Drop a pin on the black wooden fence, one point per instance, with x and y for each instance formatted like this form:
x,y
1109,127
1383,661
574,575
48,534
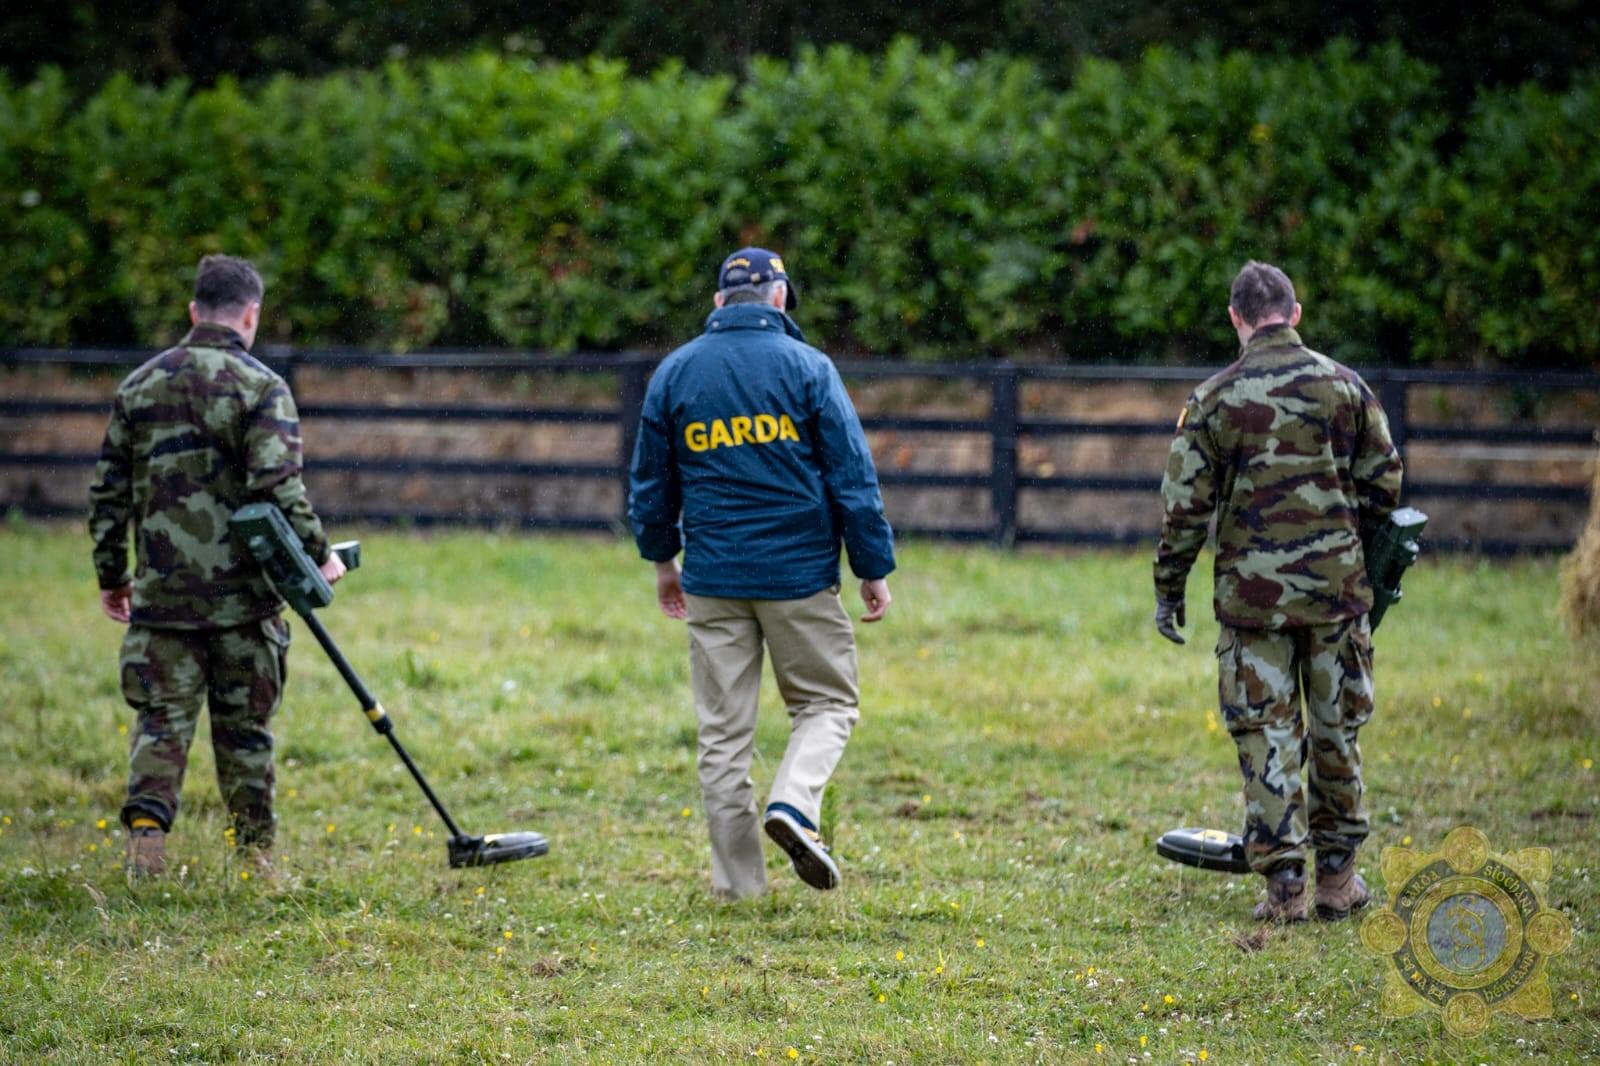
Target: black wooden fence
x,y
1005,426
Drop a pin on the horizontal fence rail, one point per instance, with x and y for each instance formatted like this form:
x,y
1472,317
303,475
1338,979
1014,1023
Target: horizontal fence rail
x,y
1005,428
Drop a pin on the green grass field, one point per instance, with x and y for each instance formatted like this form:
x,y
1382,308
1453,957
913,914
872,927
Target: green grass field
x,y
1024,738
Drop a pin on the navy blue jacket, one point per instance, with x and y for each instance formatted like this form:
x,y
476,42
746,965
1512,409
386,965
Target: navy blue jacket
x,y
749,436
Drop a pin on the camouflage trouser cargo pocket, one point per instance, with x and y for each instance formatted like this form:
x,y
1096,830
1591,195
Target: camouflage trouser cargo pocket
x,y
1262,676
166,674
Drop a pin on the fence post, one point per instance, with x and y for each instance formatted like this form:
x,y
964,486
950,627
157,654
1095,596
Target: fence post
x,y
1003,454
632,376
1396,392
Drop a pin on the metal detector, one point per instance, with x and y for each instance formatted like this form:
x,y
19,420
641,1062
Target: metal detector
x,y
266,535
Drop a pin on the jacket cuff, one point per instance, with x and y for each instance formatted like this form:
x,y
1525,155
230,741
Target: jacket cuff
x,y
1170,591
114,581
872,568
659,543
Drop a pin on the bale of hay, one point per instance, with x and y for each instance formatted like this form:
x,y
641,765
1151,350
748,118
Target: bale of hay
x,y
1580,575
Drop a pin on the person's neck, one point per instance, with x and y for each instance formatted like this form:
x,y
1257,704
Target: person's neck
x,y
1247,333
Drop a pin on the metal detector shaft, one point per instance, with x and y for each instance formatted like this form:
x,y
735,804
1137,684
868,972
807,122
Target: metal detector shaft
x,y
375,714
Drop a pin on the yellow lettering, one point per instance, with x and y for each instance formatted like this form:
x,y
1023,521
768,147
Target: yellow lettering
x,y
766,429
719,435
741,430
694,435
786,430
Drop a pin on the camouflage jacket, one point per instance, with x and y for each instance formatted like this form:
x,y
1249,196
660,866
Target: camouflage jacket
x,y
1291,452
195,433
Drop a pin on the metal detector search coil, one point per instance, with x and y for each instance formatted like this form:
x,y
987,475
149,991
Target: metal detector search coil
x,y
1208,849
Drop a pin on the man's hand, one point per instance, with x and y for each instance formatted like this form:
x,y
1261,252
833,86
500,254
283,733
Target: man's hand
x,y
875,594
117,603
669,590
334,568
1169,616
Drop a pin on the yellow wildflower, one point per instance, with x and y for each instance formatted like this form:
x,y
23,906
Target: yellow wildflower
x,y
101,824
1168,1000
793,1053
899,956
1143,1040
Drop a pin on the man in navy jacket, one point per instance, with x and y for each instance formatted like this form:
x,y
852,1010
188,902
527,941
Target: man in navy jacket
x,y
751,460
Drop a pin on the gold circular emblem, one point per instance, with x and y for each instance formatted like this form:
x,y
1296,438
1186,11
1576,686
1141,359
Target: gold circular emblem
x,y
1466,932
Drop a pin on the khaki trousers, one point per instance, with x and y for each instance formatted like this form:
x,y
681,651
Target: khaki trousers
x,y
814,662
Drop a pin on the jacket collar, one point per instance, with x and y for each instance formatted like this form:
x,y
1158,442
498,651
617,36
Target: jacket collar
x,y
212,335
1277,335
752,316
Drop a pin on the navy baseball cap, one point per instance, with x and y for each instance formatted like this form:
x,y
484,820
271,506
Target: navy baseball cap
x,y
756,266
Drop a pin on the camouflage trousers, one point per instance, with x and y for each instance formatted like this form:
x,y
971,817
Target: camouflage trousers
x,y
1302,773
167,674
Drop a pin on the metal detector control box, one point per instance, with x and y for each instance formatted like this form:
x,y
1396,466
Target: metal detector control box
x,y
1390,550
261,530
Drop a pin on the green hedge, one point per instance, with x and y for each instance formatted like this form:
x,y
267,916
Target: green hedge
x,y
928,206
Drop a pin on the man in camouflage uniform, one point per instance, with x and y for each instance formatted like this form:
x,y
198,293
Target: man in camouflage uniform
x,y
1291,453
195,433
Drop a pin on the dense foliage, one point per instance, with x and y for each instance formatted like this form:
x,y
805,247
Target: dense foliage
x,y
153,40
928,205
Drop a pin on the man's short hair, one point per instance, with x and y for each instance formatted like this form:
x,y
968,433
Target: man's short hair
x,y
226,283
750,294
1260,291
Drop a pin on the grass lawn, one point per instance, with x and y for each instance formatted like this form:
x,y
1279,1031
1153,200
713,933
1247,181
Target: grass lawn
x,y
1024,738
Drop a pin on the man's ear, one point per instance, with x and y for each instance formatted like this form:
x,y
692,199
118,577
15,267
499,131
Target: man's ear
x,y
1236,318
780,296
194,313
716,298
1294,319
252,315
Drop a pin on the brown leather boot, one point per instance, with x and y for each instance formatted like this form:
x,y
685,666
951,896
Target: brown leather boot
x,y
1286,898
147,851
1341,892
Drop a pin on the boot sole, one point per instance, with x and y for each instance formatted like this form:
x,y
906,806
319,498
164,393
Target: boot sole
x,y
811,865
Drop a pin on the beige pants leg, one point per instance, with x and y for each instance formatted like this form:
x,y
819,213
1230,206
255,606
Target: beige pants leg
x,y
814,660
725,675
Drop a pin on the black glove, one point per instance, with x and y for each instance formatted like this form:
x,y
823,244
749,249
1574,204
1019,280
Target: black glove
x,y
1169,616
